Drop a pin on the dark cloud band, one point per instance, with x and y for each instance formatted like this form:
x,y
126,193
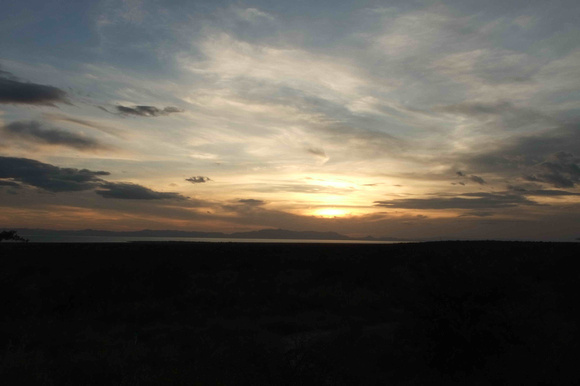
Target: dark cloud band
x,y
472,177
252,202
198,179
34,132
464,201
147,111
13,91
11,184
128,191
55,179
49,177
561,170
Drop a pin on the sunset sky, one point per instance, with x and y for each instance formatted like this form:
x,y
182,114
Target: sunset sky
x,y
450,119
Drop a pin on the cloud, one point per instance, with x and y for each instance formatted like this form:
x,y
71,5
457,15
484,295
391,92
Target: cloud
x,y
234,62
361,141
472,177
549,193
544,157
33,132
477,213
10,184
128,191
488,66
49,177
82,122
301,188
55,179
147,111
252,202
13,91
477,179
198,179
252,15
561,170
464,201
477,109
283,90
481,110
496,115
317,152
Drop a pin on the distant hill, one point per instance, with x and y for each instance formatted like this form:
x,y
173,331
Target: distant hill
x,y
103,233
259,234
285,234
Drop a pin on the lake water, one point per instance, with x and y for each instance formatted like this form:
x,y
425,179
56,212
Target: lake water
x,y
105,239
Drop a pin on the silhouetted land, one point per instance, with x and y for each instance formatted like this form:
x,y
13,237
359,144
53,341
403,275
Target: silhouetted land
x,y
443,313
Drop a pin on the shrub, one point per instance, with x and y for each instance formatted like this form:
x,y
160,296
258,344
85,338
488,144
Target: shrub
x,y
11,236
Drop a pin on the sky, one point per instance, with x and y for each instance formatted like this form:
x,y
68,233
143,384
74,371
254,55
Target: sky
x,y
411,119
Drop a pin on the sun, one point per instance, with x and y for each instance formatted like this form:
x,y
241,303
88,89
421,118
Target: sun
x,y
330,212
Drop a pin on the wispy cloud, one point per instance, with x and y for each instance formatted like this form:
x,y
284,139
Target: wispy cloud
x,y
86,123
252,15
233,61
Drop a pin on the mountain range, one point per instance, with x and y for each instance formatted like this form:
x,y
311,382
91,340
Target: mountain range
x,y
259,234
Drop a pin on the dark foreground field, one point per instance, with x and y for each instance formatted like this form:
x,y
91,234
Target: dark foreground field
x,y
447,313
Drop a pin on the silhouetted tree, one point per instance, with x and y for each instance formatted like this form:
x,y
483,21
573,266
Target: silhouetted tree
x,y
11,236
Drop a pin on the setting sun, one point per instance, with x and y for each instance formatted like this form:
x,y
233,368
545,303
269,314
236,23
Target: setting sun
x,y
330,212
